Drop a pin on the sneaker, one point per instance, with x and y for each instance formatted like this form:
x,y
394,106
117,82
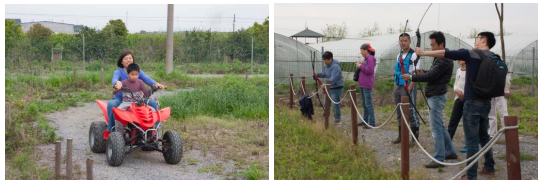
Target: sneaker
x,y
336,121
367,127
485,172
464,150
106,134
361,124
433,164
452,156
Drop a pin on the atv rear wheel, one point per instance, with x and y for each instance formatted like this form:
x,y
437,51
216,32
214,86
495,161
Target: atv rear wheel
x,y
95,136
115,149
172,147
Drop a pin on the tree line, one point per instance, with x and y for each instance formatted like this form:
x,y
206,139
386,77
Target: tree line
x,y
194,46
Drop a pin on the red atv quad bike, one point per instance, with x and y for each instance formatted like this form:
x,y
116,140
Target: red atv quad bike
x,y
134,130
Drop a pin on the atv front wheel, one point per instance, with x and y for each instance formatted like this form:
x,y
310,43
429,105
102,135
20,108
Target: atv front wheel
x,y
115,149
95,136
172,147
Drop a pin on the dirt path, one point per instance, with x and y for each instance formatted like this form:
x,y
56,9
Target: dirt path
x,y
74,123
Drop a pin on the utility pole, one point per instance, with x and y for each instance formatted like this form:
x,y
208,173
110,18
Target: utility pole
x,y
169,40
233,22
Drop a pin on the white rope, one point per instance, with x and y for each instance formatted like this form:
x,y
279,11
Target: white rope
x,y
375,127
334,102
302,86
281,83
478,154
291,86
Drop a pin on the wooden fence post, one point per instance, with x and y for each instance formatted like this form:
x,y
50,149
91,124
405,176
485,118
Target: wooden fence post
x,y
512,149
354,128
327,103
404,144
291,91
89,175
69,160
58,159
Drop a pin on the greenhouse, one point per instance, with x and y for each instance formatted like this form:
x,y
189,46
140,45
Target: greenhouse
x,y
520,51
293,57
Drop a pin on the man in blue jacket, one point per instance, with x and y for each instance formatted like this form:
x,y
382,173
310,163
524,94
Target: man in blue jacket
x,y
476,108
333,72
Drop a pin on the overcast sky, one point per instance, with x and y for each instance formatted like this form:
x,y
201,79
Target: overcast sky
x,y
145,17
456,19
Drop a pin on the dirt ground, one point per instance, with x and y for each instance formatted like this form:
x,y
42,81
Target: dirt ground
x,y
198,162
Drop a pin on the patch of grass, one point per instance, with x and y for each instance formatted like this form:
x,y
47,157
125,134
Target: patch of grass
x,y
523,157
193,160
215,169
522,81
307,151
253,172
233,98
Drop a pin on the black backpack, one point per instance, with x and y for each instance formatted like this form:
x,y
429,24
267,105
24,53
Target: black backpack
x,y
490,80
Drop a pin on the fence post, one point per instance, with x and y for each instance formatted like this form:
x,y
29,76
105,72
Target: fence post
x,y
291,91
327,103
102,83
74,76
404,137
69,160
303,81
354,128
89,175
58,159
512,149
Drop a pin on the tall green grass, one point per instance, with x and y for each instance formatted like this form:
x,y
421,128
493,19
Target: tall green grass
x,y
307,151
233,97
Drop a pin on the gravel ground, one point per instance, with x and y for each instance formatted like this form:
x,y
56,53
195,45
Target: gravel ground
x,y
388,154
75,122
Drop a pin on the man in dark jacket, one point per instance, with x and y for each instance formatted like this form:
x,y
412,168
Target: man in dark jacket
x,y
437,77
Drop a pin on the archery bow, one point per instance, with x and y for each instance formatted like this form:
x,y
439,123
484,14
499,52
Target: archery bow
x,y
406,83
316,79
418,35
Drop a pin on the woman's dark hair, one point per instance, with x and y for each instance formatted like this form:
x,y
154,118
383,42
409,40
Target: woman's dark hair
x,y
366,47
133,67
327,55
119,62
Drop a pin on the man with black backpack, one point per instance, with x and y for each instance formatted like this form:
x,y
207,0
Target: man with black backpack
x,y
481,63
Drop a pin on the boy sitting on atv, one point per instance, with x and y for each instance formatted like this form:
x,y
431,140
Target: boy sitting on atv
x,y
138,90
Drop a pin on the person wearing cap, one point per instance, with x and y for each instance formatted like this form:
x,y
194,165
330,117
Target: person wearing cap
x,y
437,78
366,83
405,64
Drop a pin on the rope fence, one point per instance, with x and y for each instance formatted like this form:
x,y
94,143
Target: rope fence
x,y
510,126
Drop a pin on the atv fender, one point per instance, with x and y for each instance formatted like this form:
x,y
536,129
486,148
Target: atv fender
x,y
103,107
164,114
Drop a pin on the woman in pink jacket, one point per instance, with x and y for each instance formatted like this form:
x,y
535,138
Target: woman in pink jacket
x,y
366,82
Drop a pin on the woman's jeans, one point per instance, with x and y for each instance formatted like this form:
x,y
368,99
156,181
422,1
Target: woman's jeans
x,y
116,103
366,99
